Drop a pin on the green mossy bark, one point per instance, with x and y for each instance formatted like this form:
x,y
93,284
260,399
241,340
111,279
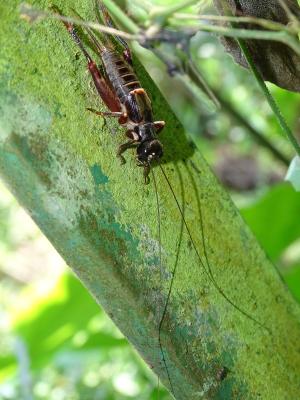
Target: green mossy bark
x,y
60,163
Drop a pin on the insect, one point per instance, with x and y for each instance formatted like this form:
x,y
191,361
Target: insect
x,y
122,93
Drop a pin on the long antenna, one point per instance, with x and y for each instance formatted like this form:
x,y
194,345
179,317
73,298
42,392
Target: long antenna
x,y
207,269
169,293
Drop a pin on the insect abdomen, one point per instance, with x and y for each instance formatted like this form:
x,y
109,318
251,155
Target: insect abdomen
x,y
120,74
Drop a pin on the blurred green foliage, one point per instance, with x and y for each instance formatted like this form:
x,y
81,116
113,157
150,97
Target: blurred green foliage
x,y
272,219
74,349
59,344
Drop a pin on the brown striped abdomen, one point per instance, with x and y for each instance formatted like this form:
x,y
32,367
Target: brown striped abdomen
x,y
120,74
127,87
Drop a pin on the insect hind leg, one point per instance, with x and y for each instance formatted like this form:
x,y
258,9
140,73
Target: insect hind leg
x,y
103,16
102,86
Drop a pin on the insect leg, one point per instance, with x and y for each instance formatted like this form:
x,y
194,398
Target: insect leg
x,y
122,116
123,147
146,173
117,114
159,125
108,97
103,14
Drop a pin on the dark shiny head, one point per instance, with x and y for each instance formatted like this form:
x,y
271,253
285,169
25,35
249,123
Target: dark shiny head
x,y
149,151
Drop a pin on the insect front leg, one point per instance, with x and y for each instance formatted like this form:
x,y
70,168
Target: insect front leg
x,y
125,146
146,173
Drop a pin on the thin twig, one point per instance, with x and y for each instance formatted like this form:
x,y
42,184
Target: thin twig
x,y
29,13
280,119
265,23
288,12
282,37
257,136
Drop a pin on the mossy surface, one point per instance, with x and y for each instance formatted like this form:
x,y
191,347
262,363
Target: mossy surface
x,y
60,163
